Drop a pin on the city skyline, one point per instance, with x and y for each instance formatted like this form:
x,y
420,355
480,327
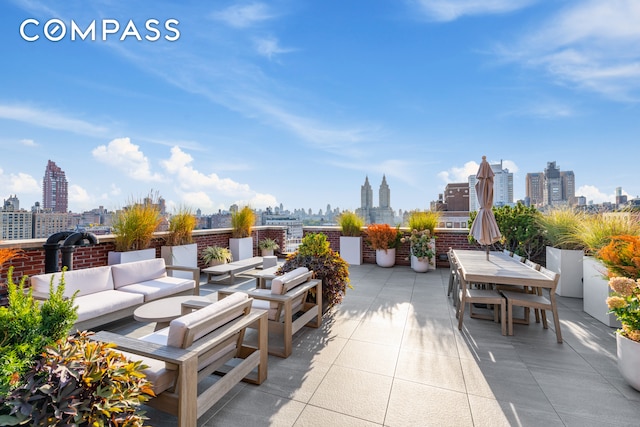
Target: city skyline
x,y
269,103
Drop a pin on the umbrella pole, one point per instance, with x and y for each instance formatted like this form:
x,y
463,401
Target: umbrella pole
x,y
487,246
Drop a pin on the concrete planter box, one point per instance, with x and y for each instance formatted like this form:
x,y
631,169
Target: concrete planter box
x,y
130,256
241,248
182,255
568,263
351,249
596,292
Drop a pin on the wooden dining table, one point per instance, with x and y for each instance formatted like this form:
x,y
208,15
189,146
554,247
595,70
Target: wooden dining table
x,y
500,269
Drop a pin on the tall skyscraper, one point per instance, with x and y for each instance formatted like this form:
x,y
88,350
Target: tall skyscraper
x,y
552,187
54,189
384,193
366,195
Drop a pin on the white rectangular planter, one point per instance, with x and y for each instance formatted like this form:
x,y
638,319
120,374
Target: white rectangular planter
x,y
130,256
568,263
241,248
351,249
182,255
596,292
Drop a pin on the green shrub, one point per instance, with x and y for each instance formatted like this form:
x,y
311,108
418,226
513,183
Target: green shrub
x,y
268,244
424,220
134,226
315,254
560,226
78,381
242,222
181,226
351,224
596,231
216,253
27,327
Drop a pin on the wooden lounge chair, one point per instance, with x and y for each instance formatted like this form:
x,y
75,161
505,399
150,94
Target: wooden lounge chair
x,y
480,296
536,301
288,308
196,345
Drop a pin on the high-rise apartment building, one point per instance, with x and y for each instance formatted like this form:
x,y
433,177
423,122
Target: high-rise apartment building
x,y
54,189
534,185
552,187
502,188
383,214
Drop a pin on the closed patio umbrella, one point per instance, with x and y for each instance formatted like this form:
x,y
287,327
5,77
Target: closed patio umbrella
x,y
485,228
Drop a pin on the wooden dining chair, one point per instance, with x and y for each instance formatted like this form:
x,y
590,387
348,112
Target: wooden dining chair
x,y
453,277
536,301
507,252
472,296
519,257
532,264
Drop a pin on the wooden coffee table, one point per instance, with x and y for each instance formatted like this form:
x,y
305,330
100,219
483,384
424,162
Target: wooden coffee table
x,y
163,311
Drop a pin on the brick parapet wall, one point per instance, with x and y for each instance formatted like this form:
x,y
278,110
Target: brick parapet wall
x,y
33,262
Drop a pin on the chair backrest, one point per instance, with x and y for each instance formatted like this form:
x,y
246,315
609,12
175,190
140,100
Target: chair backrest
x,y
186,329
532,264
518,257
507,251
551,275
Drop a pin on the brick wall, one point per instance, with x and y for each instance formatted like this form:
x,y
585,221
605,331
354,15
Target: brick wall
x,y
93,256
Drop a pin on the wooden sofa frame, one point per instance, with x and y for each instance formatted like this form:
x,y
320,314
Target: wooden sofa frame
x,y
183,400
287,322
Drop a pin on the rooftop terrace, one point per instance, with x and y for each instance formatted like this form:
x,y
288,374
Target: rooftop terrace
x,y
391,355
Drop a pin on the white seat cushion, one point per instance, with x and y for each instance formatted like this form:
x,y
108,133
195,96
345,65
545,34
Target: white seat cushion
x,y
162,375
178,327
95,305
87,281
136,272
278,282
159,288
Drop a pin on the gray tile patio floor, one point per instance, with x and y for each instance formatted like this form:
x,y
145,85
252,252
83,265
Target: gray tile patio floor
x,y
391,355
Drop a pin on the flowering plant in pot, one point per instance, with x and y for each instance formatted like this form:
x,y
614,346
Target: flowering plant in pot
x,y
384,240
422,248
622,258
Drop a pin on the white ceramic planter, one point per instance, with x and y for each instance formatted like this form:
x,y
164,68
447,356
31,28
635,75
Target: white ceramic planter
x,y
596,292
130,256
351,249
241,248
568,263
629,360
182,255
386,258
419,266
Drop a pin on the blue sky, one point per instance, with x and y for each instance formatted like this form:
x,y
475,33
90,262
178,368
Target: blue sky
x,y
293,102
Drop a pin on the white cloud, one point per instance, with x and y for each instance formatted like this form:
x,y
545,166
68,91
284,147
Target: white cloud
x,y
242,16
592,193
270,46
460,174
20,183
49,120
450,10
80,198
592,45
197,188
121,154
28,142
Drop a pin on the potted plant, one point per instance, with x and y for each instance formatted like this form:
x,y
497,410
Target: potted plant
x,y
351,237
133,228
241,242
216,255
316,254
595,233
180,249
425,221
622,259
268,246
384,240
564,252
422,249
